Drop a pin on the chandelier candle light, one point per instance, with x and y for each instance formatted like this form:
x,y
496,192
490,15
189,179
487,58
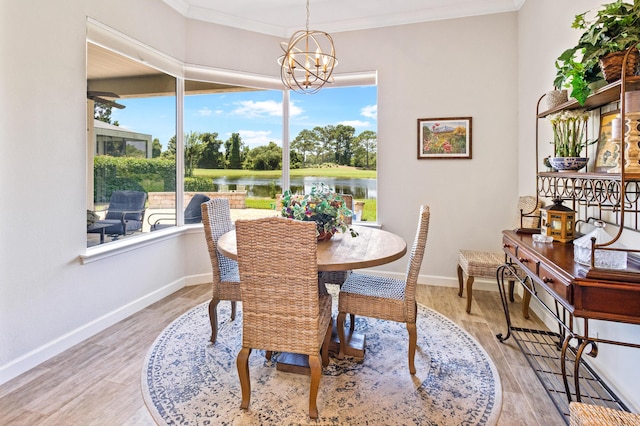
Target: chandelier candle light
x,y
308,60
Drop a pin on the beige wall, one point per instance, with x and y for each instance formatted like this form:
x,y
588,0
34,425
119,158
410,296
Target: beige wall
x,y
474,67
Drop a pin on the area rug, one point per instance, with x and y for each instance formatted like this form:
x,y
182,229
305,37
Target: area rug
x,y
186,380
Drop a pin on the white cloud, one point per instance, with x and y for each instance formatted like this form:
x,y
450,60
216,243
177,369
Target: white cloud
x,y
355,123
370,111
204,112
256,109
254,138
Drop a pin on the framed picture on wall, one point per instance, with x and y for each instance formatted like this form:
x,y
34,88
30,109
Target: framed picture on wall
x,y
608,150
444,138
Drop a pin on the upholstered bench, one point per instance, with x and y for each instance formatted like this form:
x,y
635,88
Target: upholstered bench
x,y
482,264
581,414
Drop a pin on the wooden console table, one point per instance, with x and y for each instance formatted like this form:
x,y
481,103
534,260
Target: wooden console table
x,y
578,294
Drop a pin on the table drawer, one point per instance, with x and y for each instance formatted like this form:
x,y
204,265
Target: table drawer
x,y
613,301
536,268
555,283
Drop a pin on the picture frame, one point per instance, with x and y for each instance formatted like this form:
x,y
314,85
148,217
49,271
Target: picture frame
x,y
608,150
444,138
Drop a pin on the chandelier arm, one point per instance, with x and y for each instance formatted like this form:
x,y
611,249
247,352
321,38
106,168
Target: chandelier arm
x,y
303,70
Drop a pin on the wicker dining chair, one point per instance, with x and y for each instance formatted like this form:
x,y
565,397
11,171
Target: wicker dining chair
x,y
283,310
216,218
387,298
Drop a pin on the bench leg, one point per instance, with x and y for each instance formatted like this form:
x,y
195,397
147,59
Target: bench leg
x,y
460,281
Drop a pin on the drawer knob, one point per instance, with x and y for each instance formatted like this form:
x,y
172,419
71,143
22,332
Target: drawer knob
x,y
547,280
523,259
505,245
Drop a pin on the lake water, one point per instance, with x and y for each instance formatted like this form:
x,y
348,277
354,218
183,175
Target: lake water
x,y
262,187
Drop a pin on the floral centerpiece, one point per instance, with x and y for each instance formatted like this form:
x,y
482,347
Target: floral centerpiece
x,y
323,206
569,139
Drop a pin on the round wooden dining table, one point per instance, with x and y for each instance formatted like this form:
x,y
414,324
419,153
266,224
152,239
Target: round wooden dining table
x,y
372,247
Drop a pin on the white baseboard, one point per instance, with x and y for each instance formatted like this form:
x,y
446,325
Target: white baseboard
x,y
37,356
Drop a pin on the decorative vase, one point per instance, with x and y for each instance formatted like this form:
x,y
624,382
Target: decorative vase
x,y
568,164
555,98
324,236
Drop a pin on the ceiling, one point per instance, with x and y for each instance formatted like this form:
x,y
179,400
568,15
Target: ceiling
x,y
111,72
283,17
108,71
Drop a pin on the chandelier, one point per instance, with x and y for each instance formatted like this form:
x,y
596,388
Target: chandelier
x,y
308,60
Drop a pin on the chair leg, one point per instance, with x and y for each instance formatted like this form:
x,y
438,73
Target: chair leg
x,y
511,287
413,342
352,322
213,318
316,374
326,343
233,310
469,292
460,280
243,373
340,327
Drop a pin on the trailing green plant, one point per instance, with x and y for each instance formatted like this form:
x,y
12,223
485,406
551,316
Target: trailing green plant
x,y
614,27
321,205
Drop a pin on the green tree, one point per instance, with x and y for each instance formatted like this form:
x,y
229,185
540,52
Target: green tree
x,y
235,146
267,157
305,143
211,157
326,146
170,153
365,153
156,148
193,147
343,137
102,112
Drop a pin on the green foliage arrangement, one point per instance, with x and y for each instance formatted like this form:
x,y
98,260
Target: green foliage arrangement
x,y
614,28
321,205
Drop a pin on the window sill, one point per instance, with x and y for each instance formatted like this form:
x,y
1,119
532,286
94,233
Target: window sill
x,y
104,251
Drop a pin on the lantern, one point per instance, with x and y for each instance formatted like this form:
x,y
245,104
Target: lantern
x,y
558,221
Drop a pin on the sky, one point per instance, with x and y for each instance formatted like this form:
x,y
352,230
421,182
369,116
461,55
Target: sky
x,y
256,115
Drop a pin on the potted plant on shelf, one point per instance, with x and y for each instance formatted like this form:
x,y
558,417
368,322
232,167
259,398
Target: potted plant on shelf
x,y
606,37
321,205
569,139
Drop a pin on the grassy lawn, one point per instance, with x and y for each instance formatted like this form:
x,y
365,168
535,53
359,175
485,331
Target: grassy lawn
x,y
337,171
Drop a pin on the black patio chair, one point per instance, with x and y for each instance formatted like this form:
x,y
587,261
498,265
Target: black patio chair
x,y
124,214
192,214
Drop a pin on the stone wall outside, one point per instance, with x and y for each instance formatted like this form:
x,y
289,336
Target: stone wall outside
x,y
166,200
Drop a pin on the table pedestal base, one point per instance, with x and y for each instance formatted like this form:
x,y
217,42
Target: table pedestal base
x,y
299,364
355,344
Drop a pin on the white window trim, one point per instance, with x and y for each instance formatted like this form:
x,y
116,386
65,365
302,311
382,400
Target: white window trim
x,y
111,39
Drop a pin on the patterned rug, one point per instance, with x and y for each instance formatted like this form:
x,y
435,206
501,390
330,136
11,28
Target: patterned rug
x,y
188,381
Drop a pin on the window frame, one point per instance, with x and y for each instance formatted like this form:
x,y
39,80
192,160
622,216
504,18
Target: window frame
x,y
108,38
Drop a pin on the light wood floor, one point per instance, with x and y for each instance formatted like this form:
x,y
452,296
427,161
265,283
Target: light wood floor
x,y
98,381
